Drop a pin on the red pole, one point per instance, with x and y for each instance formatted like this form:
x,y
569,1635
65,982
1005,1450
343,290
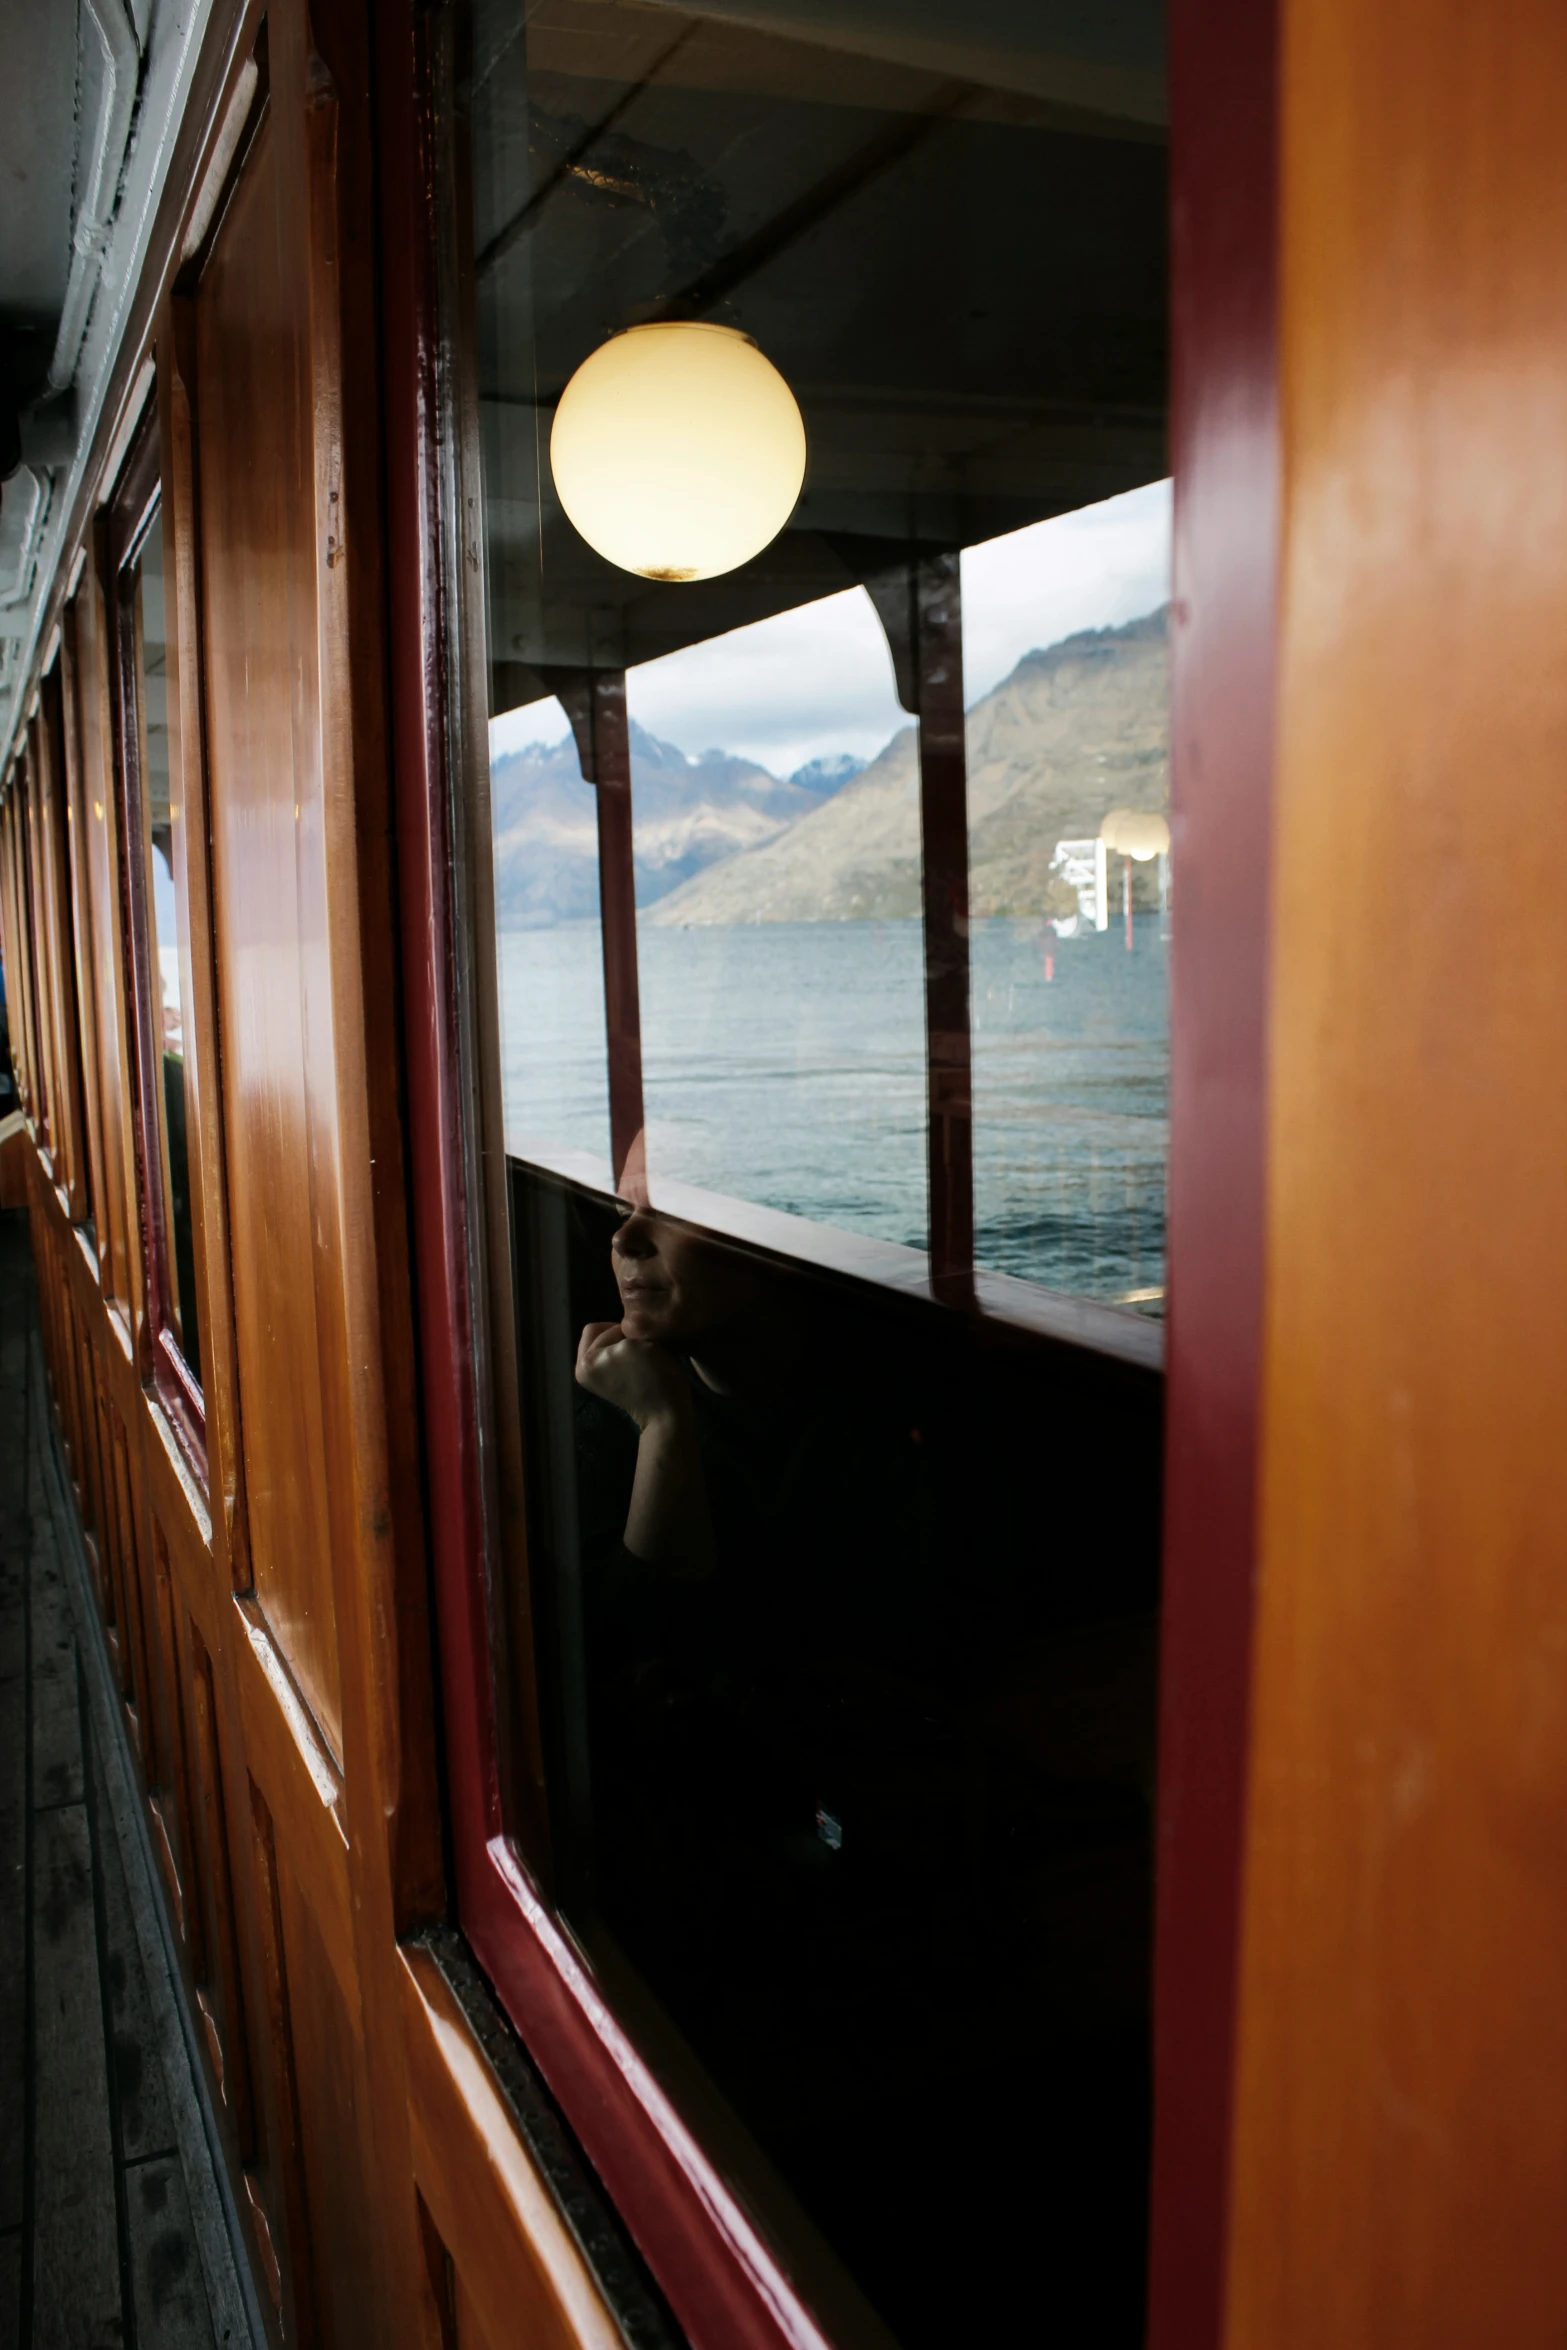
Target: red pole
x,y
1126,898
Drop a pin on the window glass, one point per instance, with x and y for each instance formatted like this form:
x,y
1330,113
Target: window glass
x,y
832,898
166,1010
65,854
549,941
8,1092
1066,679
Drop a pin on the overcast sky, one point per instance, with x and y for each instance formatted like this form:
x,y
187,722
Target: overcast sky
x,y
819,680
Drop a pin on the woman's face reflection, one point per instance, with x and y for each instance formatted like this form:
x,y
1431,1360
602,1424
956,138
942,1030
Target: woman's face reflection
x,y
675,1288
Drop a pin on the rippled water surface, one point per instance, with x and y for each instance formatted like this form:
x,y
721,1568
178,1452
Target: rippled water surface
x,y
784,1063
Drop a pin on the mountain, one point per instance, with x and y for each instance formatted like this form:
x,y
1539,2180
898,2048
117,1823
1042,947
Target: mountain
x,y
688,814
1073,732
824,776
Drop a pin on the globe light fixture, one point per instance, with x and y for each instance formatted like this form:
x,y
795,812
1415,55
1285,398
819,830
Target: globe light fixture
x,y
678,450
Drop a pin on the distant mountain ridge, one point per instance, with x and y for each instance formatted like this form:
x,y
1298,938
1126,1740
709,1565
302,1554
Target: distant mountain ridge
x,y
689,813
1075,730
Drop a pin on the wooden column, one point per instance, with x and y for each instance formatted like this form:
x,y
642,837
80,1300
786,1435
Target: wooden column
x,y
938,626
618,912
1224,449
594,700
1400,2167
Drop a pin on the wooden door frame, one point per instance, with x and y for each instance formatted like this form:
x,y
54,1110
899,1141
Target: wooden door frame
x,y
1225,448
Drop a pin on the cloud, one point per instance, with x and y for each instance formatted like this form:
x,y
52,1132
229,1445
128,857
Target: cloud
x,y
819,680
805,684
535,722
1093,569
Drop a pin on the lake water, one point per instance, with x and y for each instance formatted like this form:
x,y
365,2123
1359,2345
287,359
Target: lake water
x,y
784,1063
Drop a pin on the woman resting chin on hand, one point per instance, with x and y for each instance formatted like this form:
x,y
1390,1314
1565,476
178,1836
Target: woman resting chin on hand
x,y
673,1290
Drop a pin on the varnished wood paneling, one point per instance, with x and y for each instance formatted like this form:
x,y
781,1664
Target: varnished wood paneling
x,y
279,2210
329,2058
287,532
134,1584
58,925
220,1997
264,763
517,2270
171,1796
1401,2154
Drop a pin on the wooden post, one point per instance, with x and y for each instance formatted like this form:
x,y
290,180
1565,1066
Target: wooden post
x,y
938,620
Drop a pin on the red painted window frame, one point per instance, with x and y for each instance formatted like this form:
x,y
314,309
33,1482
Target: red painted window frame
x,y
726,2287
135,508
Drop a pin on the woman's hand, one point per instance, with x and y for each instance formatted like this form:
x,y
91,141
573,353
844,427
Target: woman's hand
x,y
643,1381
668,1523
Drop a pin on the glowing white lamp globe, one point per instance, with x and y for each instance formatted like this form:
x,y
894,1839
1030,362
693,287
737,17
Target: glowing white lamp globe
x,y
1136,833
678,450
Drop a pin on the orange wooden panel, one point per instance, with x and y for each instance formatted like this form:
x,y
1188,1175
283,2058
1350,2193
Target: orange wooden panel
x,y
1400,2167
59,942
518,2272
275,2190
220,1997
135,1588
172,1804
264,778
330,2064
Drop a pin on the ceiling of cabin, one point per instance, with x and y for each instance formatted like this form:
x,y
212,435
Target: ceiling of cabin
x,y
37,160
90,94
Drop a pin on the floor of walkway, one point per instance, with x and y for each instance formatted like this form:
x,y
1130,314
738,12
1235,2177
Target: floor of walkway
x,y
116,2232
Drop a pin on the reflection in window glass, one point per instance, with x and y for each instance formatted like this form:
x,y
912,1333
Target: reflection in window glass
x,y
783,1038
1066,678
168,1009
549,941
806,883
778,933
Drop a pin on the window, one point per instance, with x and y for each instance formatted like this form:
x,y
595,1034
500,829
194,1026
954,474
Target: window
x,y
30,877
150,882
824,875
72,1152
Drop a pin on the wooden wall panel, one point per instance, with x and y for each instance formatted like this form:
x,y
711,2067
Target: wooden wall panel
x,y
329,2058
285,503
134,1584
219,1995
517,2272
168,1779
59,929
265,782
1401,2152
280,2213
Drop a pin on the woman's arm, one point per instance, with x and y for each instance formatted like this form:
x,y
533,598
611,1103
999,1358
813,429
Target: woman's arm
x,y
668,1523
